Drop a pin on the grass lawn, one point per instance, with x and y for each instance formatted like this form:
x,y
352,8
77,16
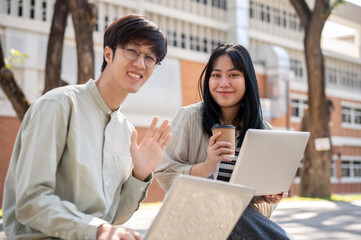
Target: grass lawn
x,y
334,197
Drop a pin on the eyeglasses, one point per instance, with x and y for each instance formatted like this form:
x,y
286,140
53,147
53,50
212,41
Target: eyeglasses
x,y
132,53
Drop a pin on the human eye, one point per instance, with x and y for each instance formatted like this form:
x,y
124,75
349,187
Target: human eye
x,y
132,51
215,75
235,74
151,59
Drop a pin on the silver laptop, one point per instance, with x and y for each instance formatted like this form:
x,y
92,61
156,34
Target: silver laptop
x,y
268,160
199,208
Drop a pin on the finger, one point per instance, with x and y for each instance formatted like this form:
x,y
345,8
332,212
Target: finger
x,y
284,194
223,144
166,141
151,129
223,151
116,237
137,236
213,139
161,130
128,236
133,139
226,159
165,135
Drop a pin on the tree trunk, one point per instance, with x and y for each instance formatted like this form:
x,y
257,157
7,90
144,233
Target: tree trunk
x,y
54,53
82,15
12,90
315,173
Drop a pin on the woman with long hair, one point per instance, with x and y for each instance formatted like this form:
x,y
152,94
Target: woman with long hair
x,y
229,91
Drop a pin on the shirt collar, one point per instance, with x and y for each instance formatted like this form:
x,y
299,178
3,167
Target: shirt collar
x,y
97,97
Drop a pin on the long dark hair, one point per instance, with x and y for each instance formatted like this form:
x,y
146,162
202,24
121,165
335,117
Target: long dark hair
x,y
249,114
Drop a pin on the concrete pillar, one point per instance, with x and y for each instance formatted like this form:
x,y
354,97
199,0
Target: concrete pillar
x,y
26,8
238,20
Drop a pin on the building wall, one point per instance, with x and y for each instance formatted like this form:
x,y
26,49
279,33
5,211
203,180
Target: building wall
x,y
190,74
8,131
194,28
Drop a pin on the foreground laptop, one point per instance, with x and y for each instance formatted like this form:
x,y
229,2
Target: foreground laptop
x,y
199,208
268,160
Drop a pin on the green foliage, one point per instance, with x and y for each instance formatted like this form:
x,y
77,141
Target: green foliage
x,y
333,197
332,6
16,57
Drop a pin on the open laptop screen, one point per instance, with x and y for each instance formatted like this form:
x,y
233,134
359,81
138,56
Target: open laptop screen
x,y
199,208
268,160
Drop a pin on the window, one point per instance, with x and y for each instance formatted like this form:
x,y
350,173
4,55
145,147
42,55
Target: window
x,y
43,11
333,169
345,169
105,22
277,17
20,8
331,76
296,67
351,116
96,24
251,9
175,39
191,40
263,14
292,21
183,40
357,168
351,169
357,116
205,42
346,114
8,8
32,9
344,79
298,107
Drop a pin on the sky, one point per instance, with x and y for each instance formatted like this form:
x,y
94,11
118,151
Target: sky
x,y
332,29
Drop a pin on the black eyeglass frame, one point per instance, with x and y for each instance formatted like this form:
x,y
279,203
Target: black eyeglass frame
x,y
157,62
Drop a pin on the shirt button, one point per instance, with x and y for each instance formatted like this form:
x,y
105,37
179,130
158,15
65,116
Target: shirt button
x,y
106,182
56,234
86,237
142,188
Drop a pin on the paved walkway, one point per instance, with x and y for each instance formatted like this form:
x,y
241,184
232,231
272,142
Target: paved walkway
x,y
320,219
302,220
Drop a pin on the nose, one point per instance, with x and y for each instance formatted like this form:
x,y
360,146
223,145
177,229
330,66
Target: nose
x,y
140,61
224,82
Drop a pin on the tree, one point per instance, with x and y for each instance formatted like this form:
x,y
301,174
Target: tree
x,y
315,173
83,15
54,52
12,90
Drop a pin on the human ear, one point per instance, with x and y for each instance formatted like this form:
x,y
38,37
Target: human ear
x,y
108,54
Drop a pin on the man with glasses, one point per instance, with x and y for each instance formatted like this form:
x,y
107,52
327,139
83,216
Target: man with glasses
x,y
76,168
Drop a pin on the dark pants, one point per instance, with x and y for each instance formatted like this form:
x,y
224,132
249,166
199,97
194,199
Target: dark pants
x,y
253,225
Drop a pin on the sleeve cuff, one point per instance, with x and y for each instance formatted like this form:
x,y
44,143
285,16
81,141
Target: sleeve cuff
x,y
185,169
90,231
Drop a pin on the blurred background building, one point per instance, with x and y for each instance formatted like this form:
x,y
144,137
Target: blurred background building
x,y
270,29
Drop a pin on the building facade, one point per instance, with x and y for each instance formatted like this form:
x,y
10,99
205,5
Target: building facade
x,y
272,32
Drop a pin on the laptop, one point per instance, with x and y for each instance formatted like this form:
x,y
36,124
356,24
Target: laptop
x,y
199,208
268,160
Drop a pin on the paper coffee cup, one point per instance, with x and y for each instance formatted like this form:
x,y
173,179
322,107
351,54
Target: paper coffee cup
x,y
228,135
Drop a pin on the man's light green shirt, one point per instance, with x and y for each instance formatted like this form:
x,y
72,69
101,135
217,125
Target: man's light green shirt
x,y
71,168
